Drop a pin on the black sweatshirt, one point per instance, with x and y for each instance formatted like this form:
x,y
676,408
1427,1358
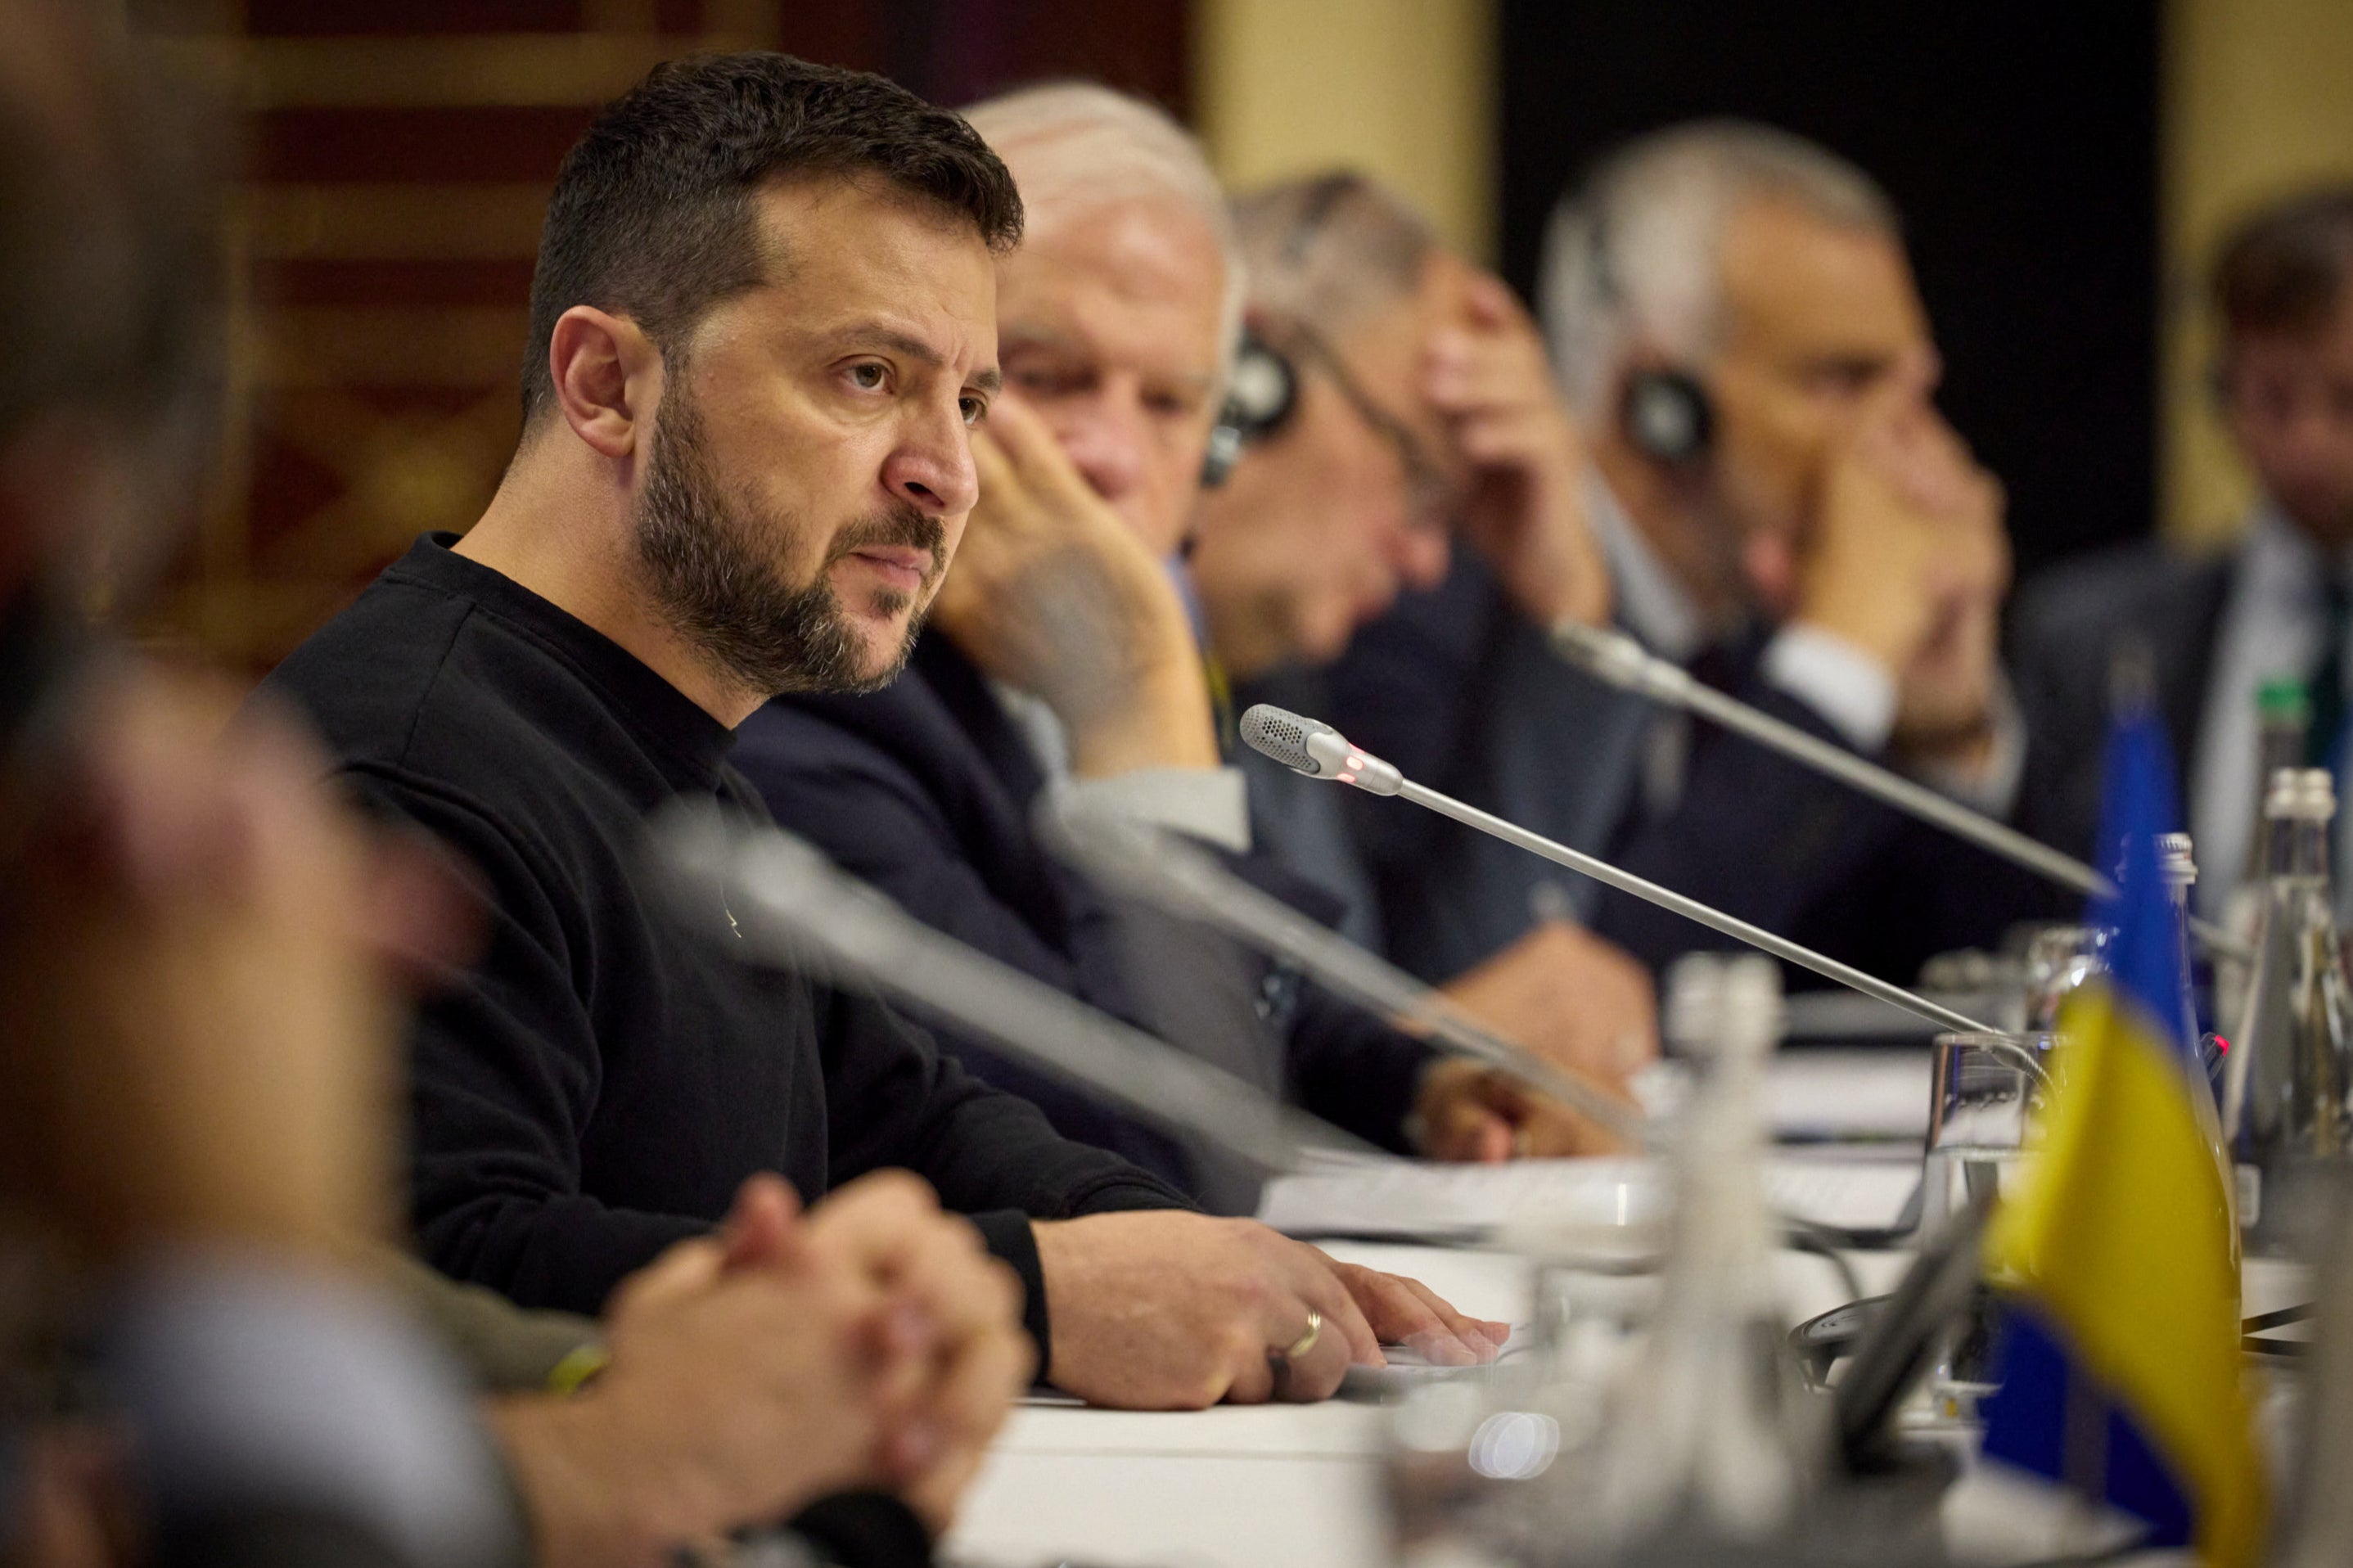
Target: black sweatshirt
x,y
600,1082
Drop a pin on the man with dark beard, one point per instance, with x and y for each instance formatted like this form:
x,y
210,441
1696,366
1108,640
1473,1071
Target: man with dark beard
x,y
763,323
703,560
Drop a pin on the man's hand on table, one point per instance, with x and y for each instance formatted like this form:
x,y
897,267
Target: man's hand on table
x,y
948,1294
1572,997
1470,1113
869,1343
1169,1311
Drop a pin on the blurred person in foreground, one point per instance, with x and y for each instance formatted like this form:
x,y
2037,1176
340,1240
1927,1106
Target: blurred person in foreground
x,y
200,968
2215,629
191,951
1390,396
1061,654
763,327
1785,513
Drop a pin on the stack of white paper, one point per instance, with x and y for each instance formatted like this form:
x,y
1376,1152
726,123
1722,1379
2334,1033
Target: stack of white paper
x,y
1364,1195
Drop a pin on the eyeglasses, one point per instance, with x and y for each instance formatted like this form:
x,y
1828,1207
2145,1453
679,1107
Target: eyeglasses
x,y
1435,499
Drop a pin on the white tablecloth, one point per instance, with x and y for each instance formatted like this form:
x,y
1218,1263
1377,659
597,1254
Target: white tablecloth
x,y
1299,1486
1267,1487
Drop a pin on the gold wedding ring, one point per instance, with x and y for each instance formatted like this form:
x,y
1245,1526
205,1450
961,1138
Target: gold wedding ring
x,y
1307,1342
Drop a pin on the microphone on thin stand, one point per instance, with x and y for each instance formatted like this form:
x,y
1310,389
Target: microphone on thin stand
x,y
790,907
1161,867
1616,659
1313,747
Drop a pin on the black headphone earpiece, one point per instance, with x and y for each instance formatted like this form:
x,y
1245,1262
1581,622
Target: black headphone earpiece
x,y
1264,387
1664,413
1261,393
1667,415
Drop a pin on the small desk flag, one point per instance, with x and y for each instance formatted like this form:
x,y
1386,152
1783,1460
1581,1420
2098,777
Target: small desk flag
x,y
2117,1265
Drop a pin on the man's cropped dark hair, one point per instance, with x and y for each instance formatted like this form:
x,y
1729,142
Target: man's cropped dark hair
x,y
2286,268
652,214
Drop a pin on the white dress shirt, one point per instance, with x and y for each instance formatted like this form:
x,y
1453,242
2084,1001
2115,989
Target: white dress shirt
x,y
2271,629
1852,692
1209,804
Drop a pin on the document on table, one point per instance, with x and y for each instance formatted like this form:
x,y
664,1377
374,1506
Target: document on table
x,y
1379,1196
1817,1094
1821,1095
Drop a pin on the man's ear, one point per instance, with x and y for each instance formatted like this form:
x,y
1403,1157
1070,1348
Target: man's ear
x,y
607,376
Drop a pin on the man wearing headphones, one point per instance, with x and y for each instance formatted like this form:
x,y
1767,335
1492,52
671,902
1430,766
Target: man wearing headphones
x,y
1387,395
1785,513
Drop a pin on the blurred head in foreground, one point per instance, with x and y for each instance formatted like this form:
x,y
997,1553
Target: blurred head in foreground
x,y
159,870
2283,287
109,278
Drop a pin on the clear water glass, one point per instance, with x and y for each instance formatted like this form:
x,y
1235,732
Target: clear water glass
x,y
1985,1090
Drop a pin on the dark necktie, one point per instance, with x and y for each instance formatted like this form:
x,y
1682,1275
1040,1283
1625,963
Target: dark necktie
x,y
2326,681
1724,665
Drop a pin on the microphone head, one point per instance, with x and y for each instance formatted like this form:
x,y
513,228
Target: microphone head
x,y
1609,655
1281,734
1313,747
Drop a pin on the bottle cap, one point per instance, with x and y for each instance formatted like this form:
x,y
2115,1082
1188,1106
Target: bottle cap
x,y
2319,794
2283,797
2175,859
2282,701
1721,1006
1752,1020
2301,795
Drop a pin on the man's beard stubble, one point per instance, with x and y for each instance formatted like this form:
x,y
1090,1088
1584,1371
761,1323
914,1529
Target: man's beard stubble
x,y
711,562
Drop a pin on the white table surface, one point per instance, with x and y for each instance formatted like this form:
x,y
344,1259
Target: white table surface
x,y
1286,1486
1299,1486
1258,1486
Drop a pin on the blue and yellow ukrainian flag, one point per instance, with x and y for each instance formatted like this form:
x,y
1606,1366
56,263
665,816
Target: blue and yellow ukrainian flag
x,y
2116,1266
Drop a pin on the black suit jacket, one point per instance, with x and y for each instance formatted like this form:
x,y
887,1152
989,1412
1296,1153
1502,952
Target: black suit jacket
x,y
2067,629
1464,693
924,789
